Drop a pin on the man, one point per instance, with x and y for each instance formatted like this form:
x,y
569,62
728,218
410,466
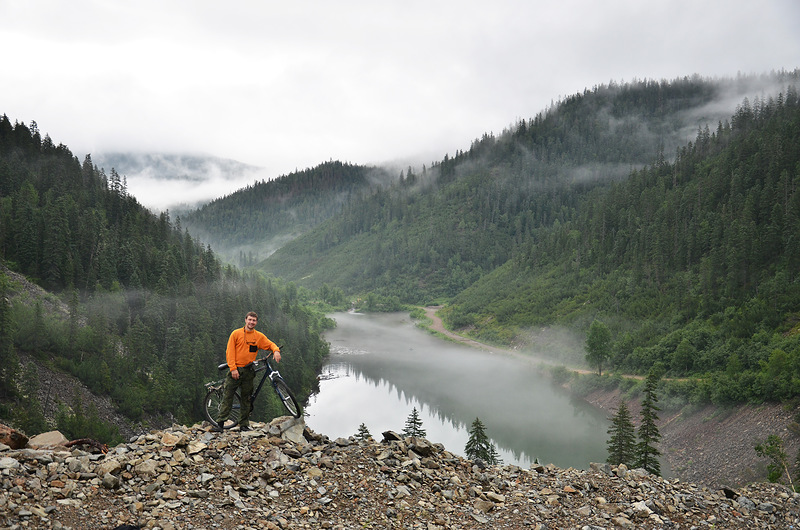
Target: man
x,y
243,346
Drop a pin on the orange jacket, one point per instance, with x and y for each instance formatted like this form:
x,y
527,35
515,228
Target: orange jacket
x,y
243,347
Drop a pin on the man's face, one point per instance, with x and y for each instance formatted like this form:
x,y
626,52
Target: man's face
x,y
250,322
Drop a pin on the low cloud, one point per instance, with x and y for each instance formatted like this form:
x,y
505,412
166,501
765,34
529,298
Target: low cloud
x,y
165,181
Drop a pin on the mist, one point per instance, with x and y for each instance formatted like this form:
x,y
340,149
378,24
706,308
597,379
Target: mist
x,y
163,182
183,182
382,366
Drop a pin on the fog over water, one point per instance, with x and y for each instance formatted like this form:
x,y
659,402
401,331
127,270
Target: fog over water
x,y
382,366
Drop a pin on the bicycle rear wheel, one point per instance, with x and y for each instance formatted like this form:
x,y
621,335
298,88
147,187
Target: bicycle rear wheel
x,y
213,403
287,398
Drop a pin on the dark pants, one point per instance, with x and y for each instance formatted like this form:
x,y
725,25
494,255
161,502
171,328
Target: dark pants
x,y
245,385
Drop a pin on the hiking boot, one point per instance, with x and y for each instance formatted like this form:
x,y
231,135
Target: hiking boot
x,y
244,428
216,427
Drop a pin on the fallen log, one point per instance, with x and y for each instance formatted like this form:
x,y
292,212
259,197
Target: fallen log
x,y
103,448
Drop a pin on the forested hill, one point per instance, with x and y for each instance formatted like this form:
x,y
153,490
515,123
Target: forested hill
x,y
688,255
140,311
693,265
250,224
441,229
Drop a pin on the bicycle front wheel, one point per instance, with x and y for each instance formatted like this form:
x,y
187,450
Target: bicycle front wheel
x,y
287,398
213,404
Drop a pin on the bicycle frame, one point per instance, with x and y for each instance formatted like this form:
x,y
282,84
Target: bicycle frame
x,y
272,374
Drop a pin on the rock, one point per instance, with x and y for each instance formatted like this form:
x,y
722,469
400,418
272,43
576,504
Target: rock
x,y
495,497
421,446
109,466
110,481
746,503
641,509
601,468
195,446
48,440
483,506
391,436
148,467
7,462
622,522
172,439
12,437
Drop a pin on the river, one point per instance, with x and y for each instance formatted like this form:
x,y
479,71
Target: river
x,y
382,366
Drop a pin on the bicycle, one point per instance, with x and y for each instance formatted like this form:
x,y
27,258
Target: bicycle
x,y
213,399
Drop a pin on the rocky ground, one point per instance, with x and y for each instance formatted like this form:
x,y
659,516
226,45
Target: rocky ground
x,y
282,475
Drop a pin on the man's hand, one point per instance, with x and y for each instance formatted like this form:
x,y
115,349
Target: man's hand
x,y
277,356
235,374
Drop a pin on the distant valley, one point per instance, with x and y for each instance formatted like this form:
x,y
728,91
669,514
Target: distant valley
x,y
179,182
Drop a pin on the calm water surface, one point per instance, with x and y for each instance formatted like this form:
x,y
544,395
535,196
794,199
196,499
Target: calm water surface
x,y
382,366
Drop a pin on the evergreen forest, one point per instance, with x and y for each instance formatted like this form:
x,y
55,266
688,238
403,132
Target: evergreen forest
x,y
139,310
596,210
249,224
641,208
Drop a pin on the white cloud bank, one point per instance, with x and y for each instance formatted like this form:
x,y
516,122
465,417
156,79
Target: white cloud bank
x,y
288,85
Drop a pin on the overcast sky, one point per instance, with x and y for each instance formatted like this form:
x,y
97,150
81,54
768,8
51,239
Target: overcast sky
x,y
288,85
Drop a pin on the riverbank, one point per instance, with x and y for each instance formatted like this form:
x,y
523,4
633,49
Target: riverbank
x,y
709,445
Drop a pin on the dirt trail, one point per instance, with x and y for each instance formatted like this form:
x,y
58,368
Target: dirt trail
x,y
438,326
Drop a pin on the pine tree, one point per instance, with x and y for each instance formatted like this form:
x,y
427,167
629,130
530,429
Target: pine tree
x,y
622,444
646,452
479,446
363,433
8,361
598,345
29,417
414,425
494,456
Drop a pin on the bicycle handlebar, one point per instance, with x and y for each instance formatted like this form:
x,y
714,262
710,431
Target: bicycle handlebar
x,y
267,357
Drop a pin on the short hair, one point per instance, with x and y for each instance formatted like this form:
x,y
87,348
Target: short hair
x,y
252,314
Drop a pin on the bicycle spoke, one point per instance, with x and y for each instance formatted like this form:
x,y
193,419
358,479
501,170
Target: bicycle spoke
x,y
287,398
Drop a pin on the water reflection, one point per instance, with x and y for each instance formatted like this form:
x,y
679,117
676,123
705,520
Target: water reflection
x,y
382,366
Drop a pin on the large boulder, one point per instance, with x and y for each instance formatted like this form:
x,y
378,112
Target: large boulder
x,y
48,440
12,437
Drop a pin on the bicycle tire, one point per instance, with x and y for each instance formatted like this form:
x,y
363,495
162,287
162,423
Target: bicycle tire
x,y
213,402
287,398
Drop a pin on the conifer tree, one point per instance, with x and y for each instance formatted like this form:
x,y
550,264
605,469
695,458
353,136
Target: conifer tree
x,y
479,446
8,361
646,452
598,345
29,417
413,425
363,433
622,444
